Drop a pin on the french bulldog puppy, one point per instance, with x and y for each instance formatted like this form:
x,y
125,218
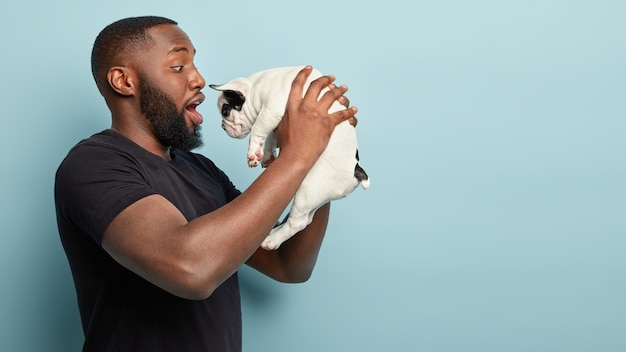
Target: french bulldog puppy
x,y
255,105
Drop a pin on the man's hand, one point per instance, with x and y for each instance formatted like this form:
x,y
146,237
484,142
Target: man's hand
x,y
346,102
306,128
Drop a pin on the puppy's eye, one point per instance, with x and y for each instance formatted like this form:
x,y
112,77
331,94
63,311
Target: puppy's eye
x,y
226,108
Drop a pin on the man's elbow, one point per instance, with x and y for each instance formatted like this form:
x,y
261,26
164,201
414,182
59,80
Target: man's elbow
x,y
191,290
190,284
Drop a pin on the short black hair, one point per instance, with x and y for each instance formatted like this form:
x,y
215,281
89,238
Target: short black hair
x,y
126,34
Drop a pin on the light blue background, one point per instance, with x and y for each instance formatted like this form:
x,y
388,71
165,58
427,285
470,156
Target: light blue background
x,y
493,132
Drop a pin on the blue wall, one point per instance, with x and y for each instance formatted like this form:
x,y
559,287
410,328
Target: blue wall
x,y
493,132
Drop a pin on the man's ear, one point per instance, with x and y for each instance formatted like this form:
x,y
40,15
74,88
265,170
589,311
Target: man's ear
x,y
121,80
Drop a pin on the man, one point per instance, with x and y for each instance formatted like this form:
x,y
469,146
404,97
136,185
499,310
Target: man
x,y
154,233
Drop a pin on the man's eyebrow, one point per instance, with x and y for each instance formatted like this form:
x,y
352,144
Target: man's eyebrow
x,y
178,49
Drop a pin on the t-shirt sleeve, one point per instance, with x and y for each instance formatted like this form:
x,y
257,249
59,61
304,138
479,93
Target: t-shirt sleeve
x,y
230,190
93,185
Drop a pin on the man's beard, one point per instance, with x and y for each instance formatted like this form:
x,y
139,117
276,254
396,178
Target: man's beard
x,y
168,123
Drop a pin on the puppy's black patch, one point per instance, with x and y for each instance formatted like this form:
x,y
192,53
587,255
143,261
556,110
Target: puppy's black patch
x,y
359,173
235,99
226,108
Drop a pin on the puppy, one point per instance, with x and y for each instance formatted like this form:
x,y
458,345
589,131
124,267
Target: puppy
x,y
255,105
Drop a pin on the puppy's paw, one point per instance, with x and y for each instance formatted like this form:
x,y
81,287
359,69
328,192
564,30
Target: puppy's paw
x,y
268,159
255,158
270,243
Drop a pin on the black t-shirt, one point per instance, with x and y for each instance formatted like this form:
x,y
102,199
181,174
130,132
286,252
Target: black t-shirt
x,y
121,311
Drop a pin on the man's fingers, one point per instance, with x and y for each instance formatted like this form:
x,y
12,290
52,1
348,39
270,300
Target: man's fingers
x,y
344,101
312,95
297,86
333,94
315,88
343,115
336,94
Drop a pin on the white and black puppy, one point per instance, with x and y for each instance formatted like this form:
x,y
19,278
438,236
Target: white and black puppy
x,y
255,105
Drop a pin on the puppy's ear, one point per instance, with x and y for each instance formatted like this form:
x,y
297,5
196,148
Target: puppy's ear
x,y
234,92
240,85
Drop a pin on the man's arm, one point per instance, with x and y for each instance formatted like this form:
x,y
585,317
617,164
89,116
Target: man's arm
x,y
295,259
191,259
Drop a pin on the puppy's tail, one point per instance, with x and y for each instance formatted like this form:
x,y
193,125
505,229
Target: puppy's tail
x,y
360,174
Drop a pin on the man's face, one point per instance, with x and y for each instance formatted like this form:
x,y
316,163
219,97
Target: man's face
x,y
171,88
167,120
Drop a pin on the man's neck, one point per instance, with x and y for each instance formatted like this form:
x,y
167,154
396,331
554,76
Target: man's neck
x,y
144,139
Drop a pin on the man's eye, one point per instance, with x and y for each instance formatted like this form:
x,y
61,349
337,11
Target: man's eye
x,y
178,68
